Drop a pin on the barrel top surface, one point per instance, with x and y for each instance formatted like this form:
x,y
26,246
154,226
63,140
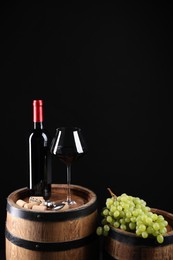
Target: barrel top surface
x,y
86,203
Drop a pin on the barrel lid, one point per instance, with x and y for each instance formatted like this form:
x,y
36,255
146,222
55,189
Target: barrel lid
x,y
74,213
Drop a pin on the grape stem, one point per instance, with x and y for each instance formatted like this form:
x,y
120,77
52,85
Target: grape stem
x,y
112,194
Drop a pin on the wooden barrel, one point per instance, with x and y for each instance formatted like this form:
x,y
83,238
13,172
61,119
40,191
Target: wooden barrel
x,y
49,234
123,245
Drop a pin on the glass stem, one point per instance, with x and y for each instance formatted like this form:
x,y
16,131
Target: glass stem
x,y
68,183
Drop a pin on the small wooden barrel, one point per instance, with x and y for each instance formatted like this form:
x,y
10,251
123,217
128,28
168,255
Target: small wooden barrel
x,y
49,234
124,245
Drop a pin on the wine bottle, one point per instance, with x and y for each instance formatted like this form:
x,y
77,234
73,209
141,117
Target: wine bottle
x,y
40,173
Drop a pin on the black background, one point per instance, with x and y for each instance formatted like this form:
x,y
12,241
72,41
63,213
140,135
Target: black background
x,y
104,67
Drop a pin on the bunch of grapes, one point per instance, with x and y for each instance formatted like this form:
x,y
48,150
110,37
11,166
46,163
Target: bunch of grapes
x,y
133,215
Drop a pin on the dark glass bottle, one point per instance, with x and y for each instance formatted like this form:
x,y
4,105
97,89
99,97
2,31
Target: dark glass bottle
x,y
39,155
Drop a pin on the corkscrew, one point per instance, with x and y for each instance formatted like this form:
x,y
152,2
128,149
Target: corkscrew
x,y
52,205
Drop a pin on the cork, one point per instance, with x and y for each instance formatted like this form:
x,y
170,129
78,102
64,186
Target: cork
x,y
36,199
39,207
20,203
30,205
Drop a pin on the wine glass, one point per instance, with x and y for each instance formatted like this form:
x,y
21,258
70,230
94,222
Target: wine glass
x,y
68,145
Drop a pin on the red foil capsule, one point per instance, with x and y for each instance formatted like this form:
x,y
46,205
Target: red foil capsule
x,y
37,110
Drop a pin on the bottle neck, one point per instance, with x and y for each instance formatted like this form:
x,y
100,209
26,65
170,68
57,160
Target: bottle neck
x,y
38,125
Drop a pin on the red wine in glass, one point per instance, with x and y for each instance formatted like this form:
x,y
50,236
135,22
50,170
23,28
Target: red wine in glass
x,y
68,145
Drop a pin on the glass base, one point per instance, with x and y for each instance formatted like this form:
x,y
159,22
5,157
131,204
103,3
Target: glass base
x,y
71,202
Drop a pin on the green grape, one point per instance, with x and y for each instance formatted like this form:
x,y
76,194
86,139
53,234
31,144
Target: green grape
x,y
116,203
142,227
160,239
161,224
124,197
109,219
148,221
122,221
116,213
143,202
156,226
150,230
106,228
143,218
119,208
160,218
109,202
99,231
132,225
112,208
135,213
128,214
111,213
165,223
116,224
122,214
104,221
145,208
154,216
131,208
133,219
127,220
136,200
138,232
126,206
149,214
144,234
105,212
123,227
163,230
119,198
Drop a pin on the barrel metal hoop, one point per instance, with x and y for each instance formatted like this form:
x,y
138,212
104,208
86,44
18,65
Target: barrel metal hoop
x,y
139,241
49,247
51,216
